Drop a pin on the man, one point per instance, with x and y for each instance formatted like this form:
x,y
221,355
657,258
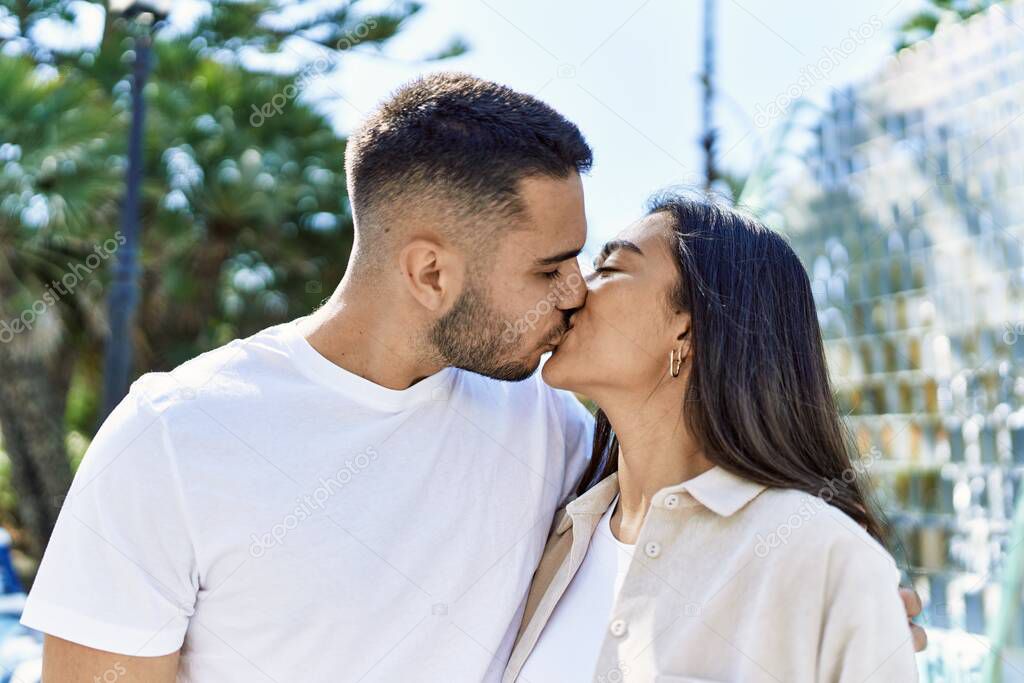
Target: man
x,y
334,500
351,496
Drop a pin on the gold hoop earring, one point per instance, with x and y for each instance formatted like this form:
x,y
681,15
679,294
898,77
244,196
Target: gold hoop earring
x,y
675,363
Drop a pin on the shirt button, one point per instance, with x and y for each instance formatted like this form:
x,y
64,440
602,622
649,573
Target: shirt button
x,y
617,628
672,501
652,549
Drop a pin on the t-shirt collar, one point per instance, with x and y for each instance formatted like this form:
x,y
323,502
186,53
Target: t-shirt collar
x,y
436,387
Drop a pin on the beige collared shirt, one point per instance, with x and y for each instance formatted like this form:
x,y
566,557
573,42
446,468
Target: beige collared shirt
x,y
734,582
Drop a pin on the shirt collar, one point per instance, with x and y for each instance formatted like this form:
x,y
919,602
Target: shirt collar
x,y
595,500
719,490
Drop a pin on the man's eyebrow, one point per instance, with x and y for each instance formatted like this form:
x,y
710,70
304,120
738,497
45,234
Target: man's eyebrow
x,y
615,245
558,258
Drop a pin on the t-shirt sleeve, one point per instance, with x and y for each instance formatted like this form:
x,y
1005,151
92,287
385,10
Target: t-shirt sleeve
x,y
119,573
578,427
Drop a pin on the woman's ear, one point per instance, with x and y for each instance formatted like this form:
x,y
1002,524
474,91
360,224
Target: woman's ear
x,y
431,273
683,335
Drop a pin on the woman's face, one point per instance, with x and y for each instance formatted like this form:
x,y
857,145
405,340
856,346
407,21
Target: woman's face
x,y
621,339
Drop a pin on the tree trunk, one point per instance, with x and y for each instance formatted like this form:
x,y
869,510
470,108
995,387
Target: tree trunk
x,y
33,390
33,437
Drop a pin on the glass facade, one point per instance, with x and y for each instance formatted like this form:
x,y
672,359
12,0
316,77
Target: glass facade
x,y
911,225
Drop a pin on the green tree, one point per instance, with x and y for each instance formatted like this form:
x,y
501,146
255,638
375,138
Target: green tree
x,y
922,25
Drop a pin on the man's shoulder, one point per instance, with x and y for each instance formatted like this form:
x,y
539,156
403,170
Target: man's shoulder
x,y
234,370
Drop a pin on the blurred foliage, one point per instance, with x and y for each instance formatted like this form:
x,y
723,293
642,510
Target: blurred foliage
x,y
228,27
245,221
923,24
59,183
251,210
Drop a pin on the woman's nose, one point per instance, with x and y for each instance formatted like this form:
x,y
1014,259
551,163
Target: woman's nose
x,y
574,294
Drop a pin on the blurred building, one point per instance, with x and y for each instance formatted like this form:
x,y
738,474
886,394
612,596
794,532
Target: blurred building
x,y
912,227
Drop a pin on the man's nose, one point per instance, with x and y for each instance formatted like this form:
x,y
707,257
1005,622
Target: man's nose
x,y
574,290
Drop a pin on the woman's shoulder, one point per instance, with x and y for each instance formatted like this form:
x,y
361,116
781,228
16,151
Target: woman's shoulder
x,y
815,531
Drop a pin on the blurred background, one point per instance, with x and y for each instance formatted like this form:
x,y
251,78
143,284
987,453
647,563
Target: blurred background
x,y
171,178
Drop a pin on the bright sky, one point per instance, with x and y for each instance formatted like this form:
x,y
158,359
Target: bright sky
x,y
627,75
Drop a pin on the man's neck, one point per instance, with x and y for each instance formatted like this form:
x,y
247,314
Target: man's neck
x,y
368,335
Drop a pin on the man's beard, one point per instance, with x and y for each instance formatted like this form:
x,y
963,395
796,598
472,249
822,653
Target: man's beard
x,y
469,336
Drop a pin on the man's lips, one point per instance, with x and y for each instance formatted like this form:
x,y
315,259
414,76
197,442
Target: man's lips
x,y
557,341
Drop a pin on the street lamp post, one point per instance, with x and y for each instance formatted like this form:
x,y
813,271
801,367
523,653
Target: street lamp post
x,y
709,135
124,292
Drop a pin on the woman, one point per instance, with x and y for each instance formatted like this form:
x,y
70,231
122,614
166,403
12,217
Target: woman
x,y
729,537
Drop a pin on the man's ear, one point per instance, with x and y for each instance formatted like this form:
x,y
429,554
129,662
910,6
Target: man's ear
x,y
432,273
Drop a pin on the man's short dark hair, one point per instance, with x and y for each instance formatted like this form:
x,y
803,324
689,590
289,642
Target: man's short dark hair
x,y
457,139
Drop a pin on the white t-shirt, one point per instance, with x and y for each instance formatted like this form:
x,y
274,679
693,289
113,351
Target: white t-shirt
x,y
568,647
280,519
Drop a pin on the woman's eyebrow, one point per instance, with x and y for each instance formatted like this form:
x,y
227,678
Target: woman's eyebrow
x,y
615,245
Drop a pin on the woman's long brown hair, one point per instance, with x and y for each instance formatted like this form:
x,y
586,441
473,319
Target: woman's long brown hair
x,y
759,398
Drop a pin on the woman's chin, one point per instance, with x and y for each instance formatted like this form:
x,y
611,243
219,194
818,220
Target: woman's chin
x,y
554,370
